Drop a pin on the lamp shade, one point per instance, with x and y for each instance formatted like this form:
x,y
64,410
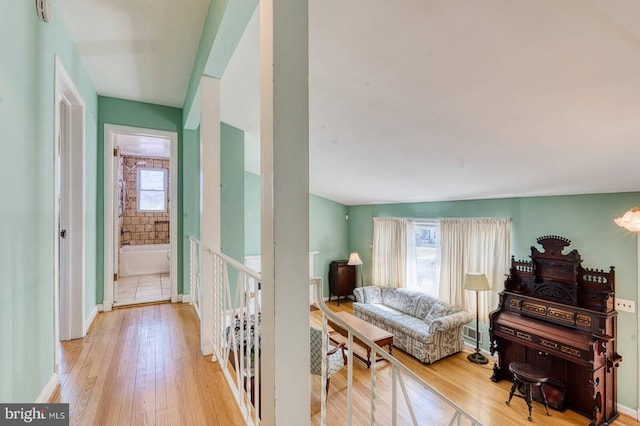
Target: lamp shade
x,y
354,259
630,220
476,281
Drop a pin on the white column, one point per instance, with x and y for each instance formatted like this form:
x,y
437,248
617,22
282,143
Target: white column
x,y
284,97
210,202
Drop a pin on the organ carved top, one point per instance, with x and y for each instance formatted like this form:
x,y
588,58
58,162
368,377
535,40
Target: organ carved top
x,y
555,276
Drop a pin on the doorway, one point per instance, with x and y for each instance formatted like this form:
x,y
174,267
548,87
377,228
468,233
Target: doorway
x,y
69,220
142,224
140,216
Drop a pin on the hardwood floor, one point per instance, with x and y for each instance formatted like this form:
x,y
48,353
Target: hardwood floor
x,y
455,377
142,366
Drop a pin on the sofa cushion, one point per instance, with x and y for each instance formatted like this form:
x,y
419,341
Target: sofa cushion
x,y
450,321
439,310
393,320
370,294
411,302
378,311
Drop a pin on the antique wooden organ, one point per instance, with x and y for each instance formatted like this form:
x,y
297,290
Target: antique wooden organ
x,y
557,315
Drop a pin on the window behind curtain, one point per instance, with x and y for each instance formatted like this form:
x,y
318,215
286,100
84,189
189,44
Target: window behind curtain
x,y
427,256
152,190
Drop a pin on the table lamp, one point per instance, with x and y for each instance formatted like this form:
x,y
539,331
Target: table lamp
x,y
354,259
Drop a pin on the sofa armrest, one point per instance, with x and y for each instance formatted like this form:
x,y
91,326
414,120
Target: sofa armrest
x,y
451,321
370,294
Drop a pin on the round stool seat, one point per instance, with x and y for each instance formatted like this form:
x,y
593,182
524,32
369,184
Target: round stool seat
x,y
528,375
528,372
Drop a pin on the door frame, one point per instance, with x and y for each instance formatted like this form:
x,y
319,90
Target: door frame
x,y
69,303
111,131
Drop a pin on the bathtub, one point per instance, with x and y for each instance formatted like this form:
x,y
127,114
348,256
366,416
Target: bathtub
x,y
144,259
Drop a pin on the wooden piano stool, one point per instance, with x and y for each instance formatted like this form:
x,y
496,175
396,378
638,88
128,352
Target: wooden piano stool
x,y
528,375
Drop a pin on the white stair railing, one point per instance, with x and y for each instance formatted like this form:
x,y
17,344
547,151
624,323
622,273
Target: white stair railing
x,y
399,374
236,331
236,341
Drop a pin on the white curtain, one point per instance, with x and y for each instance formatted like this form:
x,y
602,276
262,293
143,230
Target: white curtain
x,y
389,251
473,245
410,276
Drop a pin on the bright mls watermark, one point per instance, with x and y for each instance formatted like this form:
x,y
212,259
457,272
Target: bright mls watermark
x,y
34,414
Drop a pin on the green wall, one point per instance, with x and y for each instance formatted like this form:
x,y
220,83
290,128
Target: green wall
x,y
135,114
328,234
232,192
587,220
328,228
190,196
251,214
27,227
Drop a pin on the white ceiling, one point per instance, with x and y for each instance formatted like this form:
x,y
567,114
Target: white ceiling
x,y
141,50
420,100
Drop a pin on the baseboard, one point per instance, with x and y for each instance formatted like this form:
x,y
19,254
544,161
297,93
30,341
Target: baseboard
x,y
185,298
88,323
207,348
49,390
628,411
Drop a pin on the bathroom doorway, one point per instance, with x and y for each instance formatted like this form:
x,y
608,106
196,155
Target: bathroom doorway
x,y
143,198
143,185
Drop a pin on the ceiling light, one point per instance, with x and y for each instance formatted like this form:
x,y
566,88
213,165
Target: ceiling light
x,y
631,220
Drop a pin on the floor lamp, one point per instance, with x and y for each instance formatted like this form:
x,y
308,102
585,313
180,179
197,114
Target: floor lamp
x,y
477,282
354,259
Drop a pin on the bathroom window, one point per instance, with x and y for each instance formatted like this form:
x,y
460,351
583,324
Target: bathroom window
x,y
152,190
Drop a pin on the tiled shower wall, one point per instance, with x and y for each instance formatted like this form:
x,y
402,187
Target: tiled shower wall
x,y
138,227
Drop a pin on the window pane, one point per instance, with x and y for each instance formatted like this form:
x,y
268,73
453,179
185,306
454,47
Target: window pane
x,y
427,258
152,200
152,179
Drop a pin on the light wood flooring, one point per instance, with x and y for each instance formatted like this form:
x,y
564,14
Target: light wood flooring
x,y
142,366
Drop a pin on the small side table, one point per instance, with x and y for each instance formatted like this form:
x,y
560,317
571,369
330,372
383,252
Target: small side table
x,y
528,375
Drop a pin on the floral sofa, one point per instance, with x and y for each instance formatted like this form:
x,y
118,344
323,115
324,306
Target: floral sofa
x,y
422,326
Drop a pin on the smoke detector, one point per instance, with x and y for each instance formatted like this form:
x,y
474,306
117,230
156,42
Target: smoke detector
x,y
43,10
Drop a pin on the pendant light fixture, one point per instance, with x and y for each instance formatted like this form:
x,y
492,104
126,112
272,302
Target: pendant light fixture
x,y
630,220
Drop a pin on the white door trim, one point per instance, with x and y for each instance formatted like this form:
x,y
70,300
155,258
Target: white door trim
x,y
69,303
110,133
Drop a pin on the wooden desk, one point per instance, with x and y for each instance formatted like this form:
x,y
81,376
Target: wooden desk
x,y
379,336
